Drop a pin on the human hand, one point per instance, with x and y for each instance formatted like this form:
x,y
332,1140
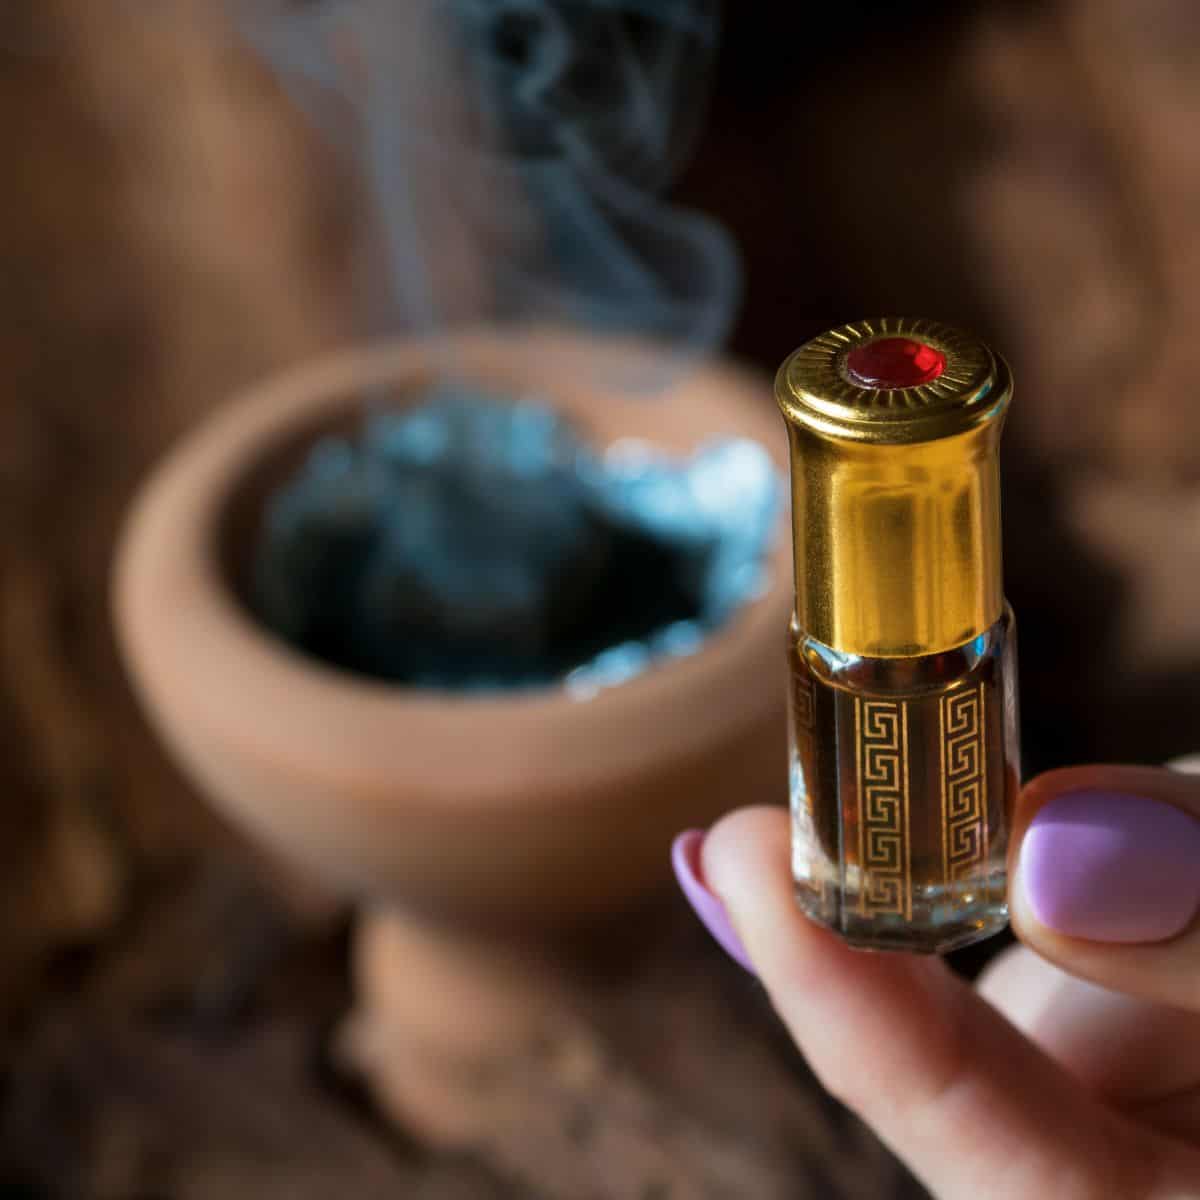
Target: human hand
x,y
1073,1070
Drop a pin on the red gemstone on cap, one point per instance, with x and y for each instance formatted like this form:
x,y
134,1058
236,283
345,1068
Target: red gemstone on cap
x,y
894,362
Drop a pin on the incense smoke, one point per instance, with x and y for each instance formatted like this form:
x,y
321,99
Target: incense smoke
x,y
512,154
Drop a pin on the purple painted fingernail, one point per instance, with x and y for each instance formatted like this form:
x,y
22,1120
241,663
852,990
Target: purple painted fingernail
x,y
1112,868
685,858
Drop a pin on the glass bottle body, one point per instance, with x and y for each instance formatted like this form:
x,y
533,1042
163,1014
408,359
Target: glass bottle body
x,y
903,777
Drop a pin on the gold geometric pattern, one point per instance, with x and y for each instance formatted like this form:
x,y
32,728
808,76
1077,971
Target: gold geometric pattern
x,y
964,785
884,852
803,703
804,793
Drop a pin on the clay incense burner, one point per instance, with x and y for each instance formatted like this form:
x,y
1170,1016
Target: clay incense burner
x,y
462,821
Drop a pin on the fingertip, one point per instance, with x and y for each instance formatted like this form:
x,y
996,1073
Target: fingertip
x,y
746,848
1044,796
1112,863
747,864
686,854
1105,877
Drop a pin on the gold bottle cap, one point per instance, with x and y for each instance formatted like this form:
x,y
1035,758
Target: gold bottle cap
x,y
894,427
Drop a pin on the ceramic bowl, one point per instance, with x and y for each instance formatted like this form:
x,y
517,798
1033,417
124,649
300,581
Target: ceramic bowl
x,y
533,810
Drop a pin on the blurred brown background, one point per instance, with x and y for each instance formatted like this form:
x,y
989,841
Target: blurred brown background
x,y
169,230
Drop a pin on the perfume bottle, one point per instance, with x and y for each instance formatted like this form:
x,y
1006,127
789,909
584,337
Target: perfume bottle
x,y
904,754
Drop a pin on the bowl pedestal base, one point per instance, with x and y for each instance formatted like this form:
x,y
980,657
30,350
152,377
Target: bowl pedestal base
x,y
451,1026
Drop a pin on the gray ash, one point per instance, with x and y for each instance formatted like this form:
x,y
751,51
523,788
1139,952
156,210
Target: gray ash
x,y
473,543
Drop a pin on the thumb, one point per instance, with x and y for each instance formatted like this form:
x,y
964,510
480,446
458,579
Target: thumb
x,y
1106,878
972,1106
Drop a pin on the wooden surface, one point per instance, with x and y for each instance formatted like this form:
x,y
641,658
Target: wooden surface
x,y
202,1054
175,1013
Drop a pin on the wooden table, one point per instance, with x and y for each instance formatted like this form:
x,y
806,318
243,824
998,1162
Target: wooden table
x,y
197,1058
